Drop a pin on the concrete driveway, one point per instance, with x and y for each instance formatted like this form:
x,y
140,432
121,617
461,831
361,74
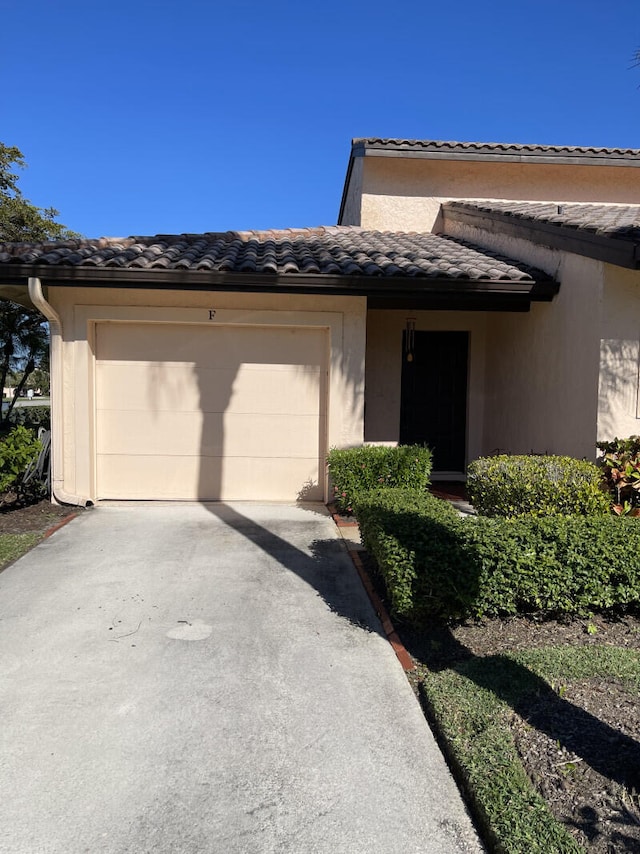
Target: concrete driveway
x,y
209,678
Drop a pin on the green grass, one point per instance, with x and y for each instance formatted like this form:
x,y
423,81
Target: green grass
x,y
470,706
12,546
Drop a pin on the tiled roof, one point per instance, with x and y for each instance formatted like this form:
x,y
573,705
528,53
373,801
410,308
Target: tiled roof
x,y
334,251
620,221
492,148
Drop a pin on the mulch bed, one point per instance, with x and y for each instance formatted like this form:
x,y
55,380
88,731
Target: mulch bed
x,y
34,518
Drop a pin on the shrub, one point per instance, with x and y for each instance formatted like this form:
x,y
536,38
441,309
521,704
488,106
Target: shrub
x,y
537,486
356,470
17,450
31,416
436,563
620,466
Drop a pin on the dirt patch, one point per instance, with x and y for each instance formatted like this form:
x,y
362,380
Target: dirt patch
x,y
579,743
596,799
35,518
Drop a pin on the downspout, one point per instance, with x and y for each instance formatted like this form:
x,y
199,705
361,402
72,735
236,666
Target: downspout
x,y
57,422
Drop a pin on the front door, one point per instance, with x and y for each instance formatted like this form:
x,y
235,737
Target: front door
x,y
433,407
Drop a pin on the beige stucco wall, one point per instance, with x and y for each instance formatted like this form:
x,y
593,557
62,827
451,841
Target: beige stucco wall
x,y
618,403
384,370
405,195
543,365
542,369
81,308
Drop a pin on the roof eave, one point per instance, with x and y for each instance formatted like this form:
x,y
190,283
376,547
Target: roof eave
x,y
612,250
301,283
362,148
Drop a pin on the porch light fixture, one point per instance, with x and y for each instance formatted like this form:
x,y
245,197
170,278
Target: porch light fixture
x,y
409,338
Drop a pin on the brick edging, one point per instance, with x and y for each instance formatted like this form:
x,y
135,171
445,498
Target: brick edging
x,y
392,636
59,525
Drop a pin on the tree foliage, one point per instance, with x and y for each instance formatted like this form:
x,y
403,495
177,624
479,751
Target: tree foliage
x,y
23,331
20,220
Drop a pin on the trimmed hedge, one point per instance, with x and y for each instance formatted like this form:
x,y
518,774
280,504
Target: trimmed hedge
x,y
512,486
356,470
437,563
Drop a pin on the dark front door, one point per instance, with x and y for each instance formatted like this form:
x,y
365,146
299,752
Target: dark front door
x,y
433,407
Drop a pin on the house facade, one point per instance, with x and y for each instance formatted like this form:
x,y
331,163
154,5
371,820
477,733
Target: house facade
x,y
473,297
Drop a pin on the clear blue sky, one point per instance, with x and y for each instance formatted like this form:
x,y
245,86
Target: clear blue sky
x,y
159,117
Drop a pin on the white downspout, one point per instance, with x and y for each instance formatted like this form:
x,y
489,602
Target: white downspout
x,y
57,423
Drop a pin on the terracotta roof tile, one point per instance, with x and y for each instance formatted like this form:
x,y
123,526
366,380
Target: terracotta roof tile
x,y
339,251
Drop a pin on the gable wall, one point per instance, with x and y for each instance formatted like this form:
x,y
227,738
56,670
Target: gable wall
x,y
405,194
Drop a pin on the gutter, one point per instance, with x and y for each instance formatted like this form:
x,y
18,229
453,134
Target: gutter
x,y
58,493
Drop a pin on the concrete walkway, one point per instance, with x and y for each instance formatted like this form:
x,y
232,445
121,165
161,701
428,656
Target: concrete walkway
x,y
209,678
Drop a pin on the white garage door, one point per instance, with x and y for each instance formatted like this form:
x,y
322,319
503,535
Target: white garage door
x,y
210,412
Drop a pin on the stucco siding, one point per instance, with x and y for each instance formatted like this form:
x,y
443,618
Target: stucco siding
x,y
542,369
618,404
405,195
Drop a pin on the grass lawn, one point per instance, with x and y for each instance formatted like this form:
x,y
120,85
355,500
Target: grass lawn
x,y
539,737
21,528
12,546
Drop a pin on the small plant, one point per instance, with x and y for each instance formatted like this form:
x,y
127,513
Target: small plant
x,y
536,485
620,466
357,470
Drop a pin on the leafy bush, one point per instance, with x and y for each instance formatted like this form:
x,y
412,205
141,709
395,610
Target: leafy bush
x,y
357,470
437,563
17,450
536,486
31,416
620,466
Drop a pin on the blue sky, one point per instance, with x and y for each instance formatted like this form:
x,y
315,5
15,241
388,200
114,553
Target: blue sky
x,y
162,117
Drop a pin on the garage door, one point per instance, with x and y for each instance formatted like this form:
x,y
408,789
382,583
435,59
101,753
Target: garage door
x,y
210,412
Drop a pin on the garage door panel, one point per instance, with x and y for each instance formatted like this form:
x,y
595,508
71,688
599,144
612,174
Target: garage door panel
x,y
211,412
176,434
139,387
234,479
224,346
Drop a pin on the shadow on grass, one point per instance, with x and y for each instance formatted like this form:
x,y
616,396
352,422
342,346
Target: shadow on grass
x,y
608,751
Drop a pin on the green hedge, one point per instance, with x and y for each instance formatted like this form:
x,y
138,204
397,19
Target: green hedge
x,y
536,485
356,470
437,563
17,450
